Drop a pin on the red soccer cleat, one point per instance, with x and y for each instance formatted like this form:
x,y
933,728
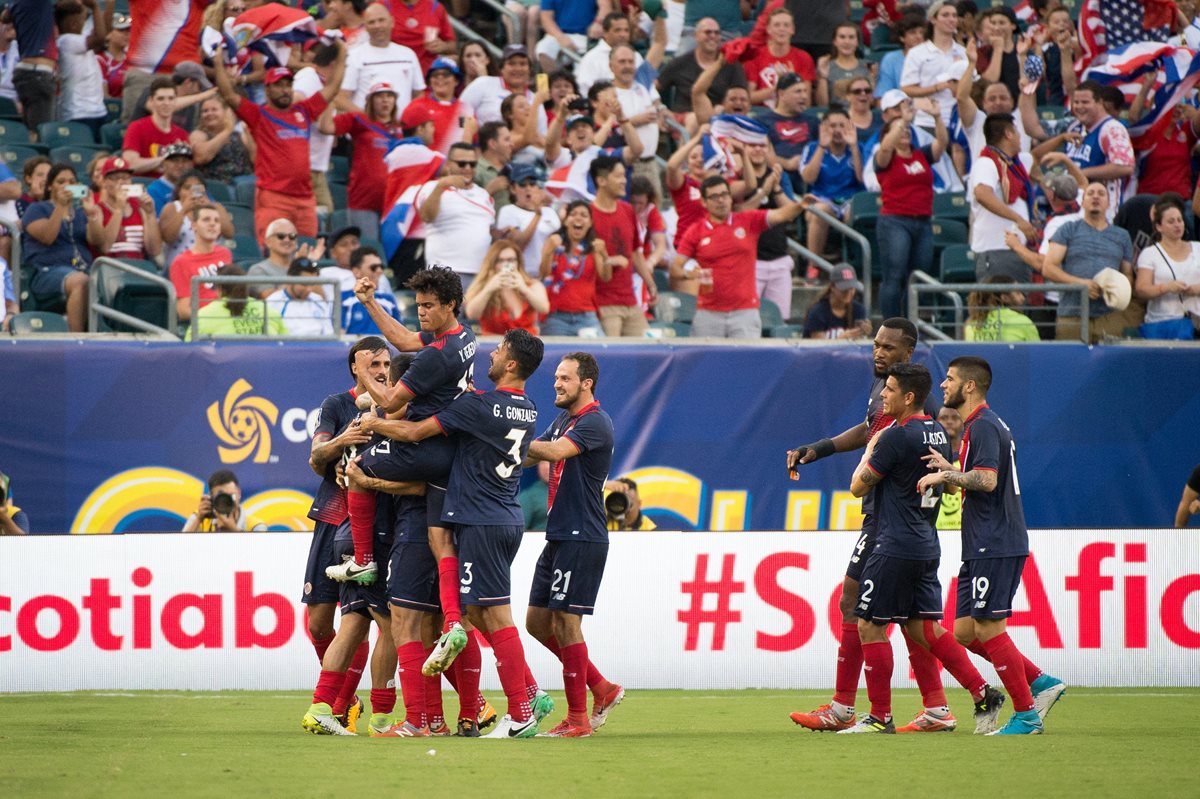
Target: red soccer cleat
x,y
566,729
823,719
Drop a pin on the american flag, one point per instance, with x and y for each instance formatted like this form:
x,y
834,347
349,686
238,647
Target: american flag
x,y
1177,70
1108,24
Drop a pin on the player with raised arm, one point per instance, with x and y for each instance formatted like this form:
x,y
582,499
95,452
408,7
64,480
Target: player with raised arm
x,y
995,543
495,429
899,580
566,580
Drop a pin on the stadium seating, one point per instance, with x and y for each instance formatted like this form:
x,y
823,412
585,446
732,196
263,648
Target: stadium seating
x,y
8,109
113,106
339,194
957,264
127,293
112,135
244,245
951,205
1051,113
770,315
243,186
243,218
57,134
945,233
785,331
674,306
13,132
339,169
662,280
35,322
220,192
15,155
76,155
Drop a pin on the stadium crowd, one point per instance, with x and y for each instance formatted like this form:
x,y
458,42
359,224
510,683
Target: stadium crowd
x,y
620,168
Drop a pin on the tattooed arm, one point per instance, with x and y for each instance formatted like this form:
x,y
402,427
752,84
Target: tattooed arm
x,y
974,480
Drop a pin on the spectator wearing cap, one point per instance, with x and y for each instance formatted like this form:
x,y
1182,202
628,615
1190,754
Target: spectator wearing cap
x,y
453,120
458,215
303,308
790,125
281,128
423,26
147,138
568,24
35,76
932,69
176,161
309,82
13,520
112,57
356,321
151,53
529,219
202,259
594,66
896,105
485,94
371,135
837,313
81,81
491,172
380,60
128,216
339,246
222,148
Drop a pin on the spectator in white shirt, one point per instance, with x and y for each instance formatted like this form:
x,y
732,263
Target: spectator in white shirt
x,y
458,215
529,220
81,83
307,83
1001,195
640,106
594,64
485,93
304,309
932,69
380,60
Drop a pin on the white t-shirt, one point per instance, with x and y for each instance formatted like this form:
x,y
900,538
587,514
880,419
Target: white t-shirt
x,y
987,229
636,100
347,280
1171,306
927,65
593,67
311,316
81,84
308,83
8,60
394,64
484,96
461,233
512,216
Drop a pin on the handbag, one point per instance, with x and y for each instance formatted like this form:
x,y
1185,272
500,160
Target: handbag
x,y
1180,329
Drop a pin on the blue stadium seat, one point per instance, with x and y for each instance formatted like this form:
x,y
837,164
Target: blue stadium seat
x,y
16,155
243,219
112,135
36,322
674,306
76,155
8,109
57,134
951,205
662,280
243,187
129,294
339,169
220,192
770,315
13,132
113,106
339,193
244,246
338,220
957,264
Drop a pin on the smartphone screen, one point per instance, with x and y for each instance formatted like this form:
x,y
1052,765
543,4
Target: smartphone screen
x,y
543,82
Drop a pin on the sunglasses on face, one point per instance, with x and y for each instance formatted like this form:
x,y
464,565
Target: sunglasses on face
x,y
465,164
288,236
860,91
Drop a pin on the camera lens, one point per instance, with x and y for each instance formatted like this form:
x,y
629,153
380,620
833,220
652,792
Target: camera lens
x,y
223,504
615,504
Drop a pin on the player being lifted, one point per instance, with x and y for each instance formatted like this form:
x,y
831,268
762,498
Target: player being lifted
x,y
567,577
441,372
494,429
995,543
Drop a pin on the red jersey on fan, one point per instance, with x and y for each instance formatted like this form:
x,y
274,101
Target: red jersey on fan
x,y
447,120
729,250
368,173
144,138
131,239
907,184
282,164
619,230
688,207
164,32
415,23
764,69
189,264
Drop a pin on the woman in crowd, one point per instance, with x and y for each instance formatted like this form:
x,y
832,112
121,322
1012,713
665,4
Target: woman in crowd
x,y
33,176
518,114
475,62
572,261
235,313
991,315
857,94
222,148
371,134
1168,275
837,313
842,64
503,297
175,221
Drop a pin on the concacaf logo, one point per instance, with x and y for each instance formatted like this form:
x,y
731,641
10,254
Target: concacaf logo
x,y
243,423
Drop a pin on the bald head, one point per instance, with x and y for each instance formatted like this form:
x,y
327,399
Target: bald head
x,y
378,21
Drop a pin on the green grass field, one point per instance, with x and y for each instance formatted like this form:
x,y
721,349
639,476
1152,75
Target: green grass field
x,y
1100,742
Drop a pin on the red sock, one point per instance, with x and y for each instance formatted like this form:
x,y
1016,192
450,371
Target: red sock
x,y
531,686
928,672
353,677
433,697
595,680
510,664
362,524
322,644
878,661
327,687
467,666
1032,672
409,659
448,591
574,660
849,666
978,648
1008,662
955,659
383,700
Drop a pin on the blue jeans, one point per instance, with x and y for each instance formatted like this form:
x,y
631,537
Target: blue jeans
x,y
905,244
561,323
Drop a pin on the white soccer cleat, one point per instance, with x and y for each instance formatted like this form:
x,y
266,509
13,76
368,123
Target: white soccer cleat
x,y
508,728
349,571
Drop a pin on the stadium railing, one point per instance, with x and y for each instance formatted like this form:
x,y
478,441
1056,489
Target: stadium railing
x,y
858,238
932,319
335,308
14,266
503,10
128,273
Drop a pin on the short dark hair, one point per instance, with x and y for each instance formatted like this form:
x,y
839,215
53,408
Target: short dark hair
x,y
400,364
300,266
564,74
906,328
526,349
602,165
972,367
595,90
996,126
588,368
610,18
1090,86
55,171
66,8
1111,95
441,282
161,82
641,186
1165,202
489,132
909,22
966,7
466,145
367,343
359,253
914,378
710,182
325,54
221,477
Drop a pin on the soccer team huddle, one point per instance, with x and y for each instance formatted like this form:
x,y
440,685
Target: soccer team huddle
x,y
418,523
420,471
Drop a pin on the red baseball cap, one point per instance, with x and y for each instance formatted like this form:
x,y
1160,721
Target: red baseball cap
x,y
114,164
277,74
415,115
382,86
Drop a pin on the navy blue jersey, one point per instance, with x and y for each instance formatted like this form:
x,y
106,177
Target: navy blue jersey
x,y
440,372
495,429
576,494
993,523
905,517
877,420
336,414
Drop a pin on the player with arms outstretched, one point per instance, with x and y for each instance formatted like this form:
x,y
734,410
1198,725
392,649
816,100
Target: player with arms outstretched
x,y
995,543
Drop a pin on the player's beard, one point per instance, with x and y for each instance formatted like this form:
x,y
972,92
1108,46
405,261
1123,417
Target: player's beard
x,y
955,400
566,401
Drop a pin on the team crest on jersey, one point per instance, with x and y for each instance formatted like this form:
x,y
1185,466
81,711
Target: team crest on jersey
x,y
411,22
299,117
704,241
739,232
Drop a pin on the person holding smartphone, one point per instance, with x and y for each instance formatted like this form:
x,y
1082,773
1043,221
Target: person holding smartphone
x,y
129,224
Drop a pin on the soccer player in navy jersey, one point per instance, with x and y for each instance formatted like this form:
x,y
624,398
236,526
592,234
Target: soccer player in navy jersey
x,y
337,433
566,581
995,543
899,580
894,343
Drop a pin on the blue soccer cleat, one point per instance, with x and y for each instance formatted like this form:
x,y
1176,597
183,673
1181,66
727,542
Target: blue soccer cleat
x,y
1046,691
1024,723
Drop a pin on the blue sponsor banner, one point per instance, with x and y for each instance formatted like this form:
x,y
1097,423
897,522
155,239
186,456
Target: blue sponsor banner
x,y
112,437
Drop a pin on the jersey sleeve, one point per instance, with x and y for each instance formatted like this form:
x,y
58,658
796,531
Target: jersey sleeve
x,y
691,238
590,434
246,111
428,371
462,415
344,123
327,419
985,446
887,451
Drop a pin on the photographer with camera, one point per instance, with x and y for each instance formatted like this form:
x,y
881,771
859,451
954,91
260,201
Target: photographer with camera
x,y
220,510
13,520
623,506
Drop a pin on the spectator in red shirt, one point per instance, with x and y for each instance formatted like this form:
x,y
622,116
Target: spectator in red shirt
x,y
127,213
905,228
616,225
282,129
684,185
452,121
573,261
371,134
1167,166
721,248
145,138
777,59
423,26
202,259
652,230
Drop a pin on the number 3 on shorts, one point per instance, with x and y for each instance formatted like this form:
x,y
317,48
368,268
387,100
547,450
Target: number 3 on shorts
x,y
468,578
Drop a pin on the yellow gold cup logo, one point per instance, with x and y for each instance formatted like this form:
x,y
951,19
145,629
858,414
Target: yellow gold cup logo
x,y
243,423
